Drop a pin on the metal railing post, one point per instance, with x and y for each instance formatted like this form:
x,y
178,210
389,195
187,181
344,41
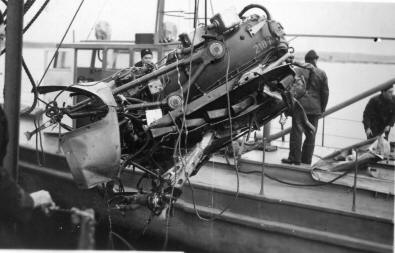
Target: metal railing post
x,y
263,163
354,194
323,131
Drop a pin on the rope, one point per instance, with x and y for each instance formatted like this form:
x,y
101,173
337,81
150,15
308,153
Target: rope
x,y
295,184
36,16
28,5
29,75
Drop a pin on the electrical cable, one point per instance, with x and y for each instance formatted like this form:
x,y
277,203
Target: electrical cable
x,y
216,216
185,107
183,125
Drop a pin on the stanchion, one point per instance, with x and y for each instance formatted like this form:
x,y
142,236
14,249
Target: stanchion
x,y
263,166
354,195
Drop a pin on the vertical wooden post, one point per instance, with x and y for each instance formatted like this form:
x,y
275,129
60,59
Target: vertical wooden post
x,y
12,82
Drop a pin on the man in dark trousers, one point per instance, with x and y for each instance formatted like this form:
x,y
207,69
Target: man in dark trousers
x,y
379,114
314,103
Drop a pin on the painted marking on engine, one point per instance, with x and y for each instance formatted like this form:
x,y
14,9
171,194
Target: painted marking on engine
x,y
263,44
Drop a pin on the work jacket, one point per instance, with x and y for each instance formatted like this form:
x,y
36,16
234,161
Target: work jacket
x,y
15,203
317,92
379,113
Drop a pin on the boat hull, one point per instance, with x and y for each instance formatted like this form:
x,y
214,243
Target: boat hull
x,y
252,223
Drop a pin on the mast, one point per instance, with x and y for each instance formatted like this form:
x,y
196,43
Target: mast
x,y
160,9
12,83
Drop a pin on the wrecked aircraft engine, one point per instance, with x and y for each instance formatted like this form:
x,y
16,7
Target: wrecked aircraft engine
x,y
225,79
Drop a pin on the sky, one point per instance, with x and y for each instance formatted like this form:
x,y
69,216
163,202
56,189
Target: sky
x,y
127,17
341,17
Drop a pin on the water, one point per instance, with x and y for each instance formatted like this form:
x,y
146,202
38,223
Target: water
x,y
345,80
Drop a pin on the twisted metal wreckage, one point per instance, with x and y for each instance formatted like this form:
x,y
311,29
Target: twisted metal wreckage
x,y
226,79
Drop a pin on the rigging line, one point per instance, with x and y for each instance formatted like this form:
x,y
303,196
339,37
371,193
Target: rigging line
x,y
26,7
178,142
36,16
205,14
98,15
212,9
31,21
195,16
34,90
61,42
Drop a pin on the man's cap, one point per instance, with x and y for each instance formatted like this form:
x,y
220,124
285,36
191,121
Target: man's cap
x,y
311,55
1,18
387,88
145,51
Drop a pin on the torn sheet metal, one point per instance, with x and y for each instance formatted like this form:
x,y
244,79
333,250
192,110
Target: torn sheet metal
x,y
93,151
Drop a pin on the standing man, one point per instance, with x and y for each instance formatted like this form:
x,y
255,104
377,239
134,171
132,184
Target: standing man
x,y
314,103
379,114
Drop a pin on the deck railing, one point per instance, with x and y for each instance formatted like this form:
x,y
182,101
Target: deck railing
x,y
338,107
